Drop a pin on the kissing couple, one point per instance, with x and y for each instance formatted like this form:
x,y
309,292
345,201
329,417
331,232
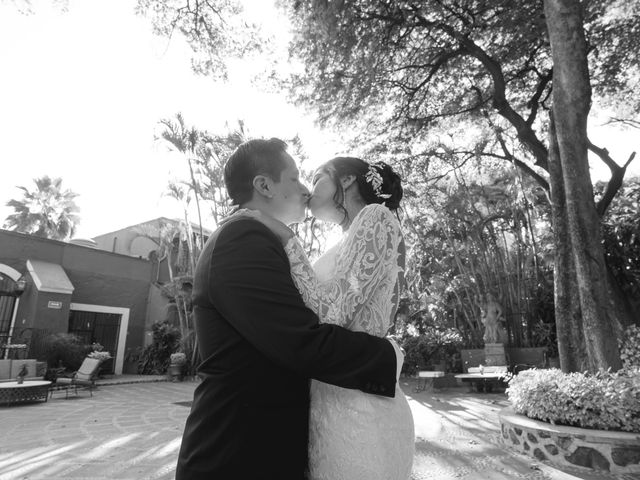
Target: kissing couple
x,y
298,379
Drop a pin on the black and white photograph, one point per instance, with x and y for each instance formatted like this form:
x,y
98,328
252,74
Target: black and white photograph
x,y
319,240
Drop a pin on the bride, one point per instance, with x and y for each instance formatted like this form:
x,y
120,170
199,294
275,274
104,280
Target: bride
x,y
356,284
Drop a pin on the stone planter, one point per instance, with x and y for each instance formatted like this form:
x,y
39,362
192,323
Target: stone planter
x,y
175,372
603,450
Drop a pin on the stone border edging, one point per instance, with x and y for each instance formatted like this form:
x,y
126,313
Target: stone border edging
x,y
604,450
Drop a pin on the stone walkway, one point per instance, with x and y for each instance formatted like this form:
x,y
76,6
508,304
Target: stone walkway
x,y
133,431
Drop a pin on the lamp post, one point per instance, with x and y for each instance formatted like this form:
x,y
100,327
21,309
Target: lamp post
x,y
21,284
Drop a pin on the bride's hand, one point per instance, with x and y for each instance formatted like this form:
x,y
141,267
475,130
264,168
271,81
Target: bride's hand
x,y
283,232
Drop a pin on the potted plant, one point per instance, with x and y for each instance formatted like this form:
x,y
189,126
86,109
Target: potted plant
x,y
177,361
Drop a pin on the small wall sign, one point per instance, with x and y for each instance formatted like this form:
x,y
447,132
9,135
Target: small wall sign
x,y
56,305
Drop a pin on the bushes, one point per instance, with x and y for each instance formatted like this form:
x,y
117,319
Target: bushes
x,y
431,347
604,401
66,349
630,347
155,357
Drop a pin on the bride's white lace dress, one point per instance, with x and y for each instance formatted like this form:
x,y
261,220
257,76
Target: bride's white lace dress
x,y
356,284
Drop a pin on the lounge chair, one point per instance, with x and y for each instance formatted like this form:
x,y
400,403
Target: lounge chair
x,y
84,377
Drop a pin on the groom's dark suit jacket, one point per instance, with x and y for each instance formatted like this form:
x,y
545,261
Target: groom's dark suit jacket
x,y
260,346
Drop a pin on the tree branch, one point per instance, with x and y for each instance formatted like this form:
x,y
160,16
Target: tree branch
x,y
617,175
500,103
534,102
628,122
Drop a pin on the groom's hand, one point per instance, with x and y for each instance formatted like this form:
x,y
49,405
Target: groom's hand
x,y
399,357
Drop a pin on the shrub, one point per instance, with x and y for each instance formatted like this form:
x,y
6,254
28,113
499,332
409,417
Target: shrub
x,y
155,357
603,401
432,346
178,358
630,347
65,349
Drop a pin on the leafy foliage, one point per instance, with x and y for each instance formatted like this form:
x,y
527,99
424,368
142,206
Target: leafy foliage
x,y
411,64
433,346
630,348
156,357
604,401
48,211
178,358
216,30
65,349
479,230
621,235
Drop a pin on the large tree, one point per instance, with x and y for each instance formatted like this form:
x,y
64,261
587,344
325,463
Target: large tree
x,y
48,211
402,70
403,73
578,216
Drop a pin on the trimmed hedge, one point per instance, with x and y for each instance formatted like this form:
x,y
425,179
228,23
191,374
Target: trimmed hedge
x,y
603,401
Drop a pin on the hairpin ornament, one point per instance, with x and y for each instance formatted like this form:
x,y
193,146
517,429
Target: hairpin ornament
x,y
374,179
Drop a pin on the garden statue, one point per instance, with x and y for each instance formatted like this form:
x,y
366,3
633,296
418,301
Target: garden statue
x,y
23,372
492,319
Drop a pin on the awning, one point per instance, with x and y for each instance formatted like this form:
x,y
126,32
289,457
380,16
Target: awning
x,y
49,277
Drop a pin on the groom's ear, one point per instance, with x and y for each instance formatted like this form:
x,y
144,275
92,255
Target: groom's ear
x,y
263,185
347,181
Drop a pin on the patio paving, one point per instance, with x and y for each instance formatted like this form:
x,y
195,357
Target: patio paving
x,y
133,431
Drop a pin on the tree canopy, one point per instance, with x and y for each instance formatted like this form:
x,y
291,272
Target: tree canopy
x,y
404,69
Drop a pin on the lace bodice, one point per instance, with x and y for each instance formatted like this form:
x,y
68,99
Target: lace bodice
x,y
362,292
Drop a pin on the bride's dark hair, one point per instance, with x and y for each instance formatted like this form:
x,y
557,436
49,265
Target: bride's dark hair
x,y
377,182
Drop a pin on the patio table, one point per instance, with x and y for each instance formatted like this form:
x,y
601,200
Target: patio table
x,y
28,391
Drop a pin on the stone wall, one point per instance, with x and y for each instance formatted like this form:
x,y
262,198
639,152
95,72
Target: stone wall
x,y
603,450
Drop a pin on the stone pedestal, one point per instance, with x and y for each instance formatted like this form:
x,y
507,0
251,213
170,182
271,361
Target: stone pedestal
x,y
494,354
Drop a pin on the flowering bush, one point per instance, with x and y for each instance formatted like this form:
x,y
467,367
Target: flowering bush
x,y
630,347
178,358
100,355
604,401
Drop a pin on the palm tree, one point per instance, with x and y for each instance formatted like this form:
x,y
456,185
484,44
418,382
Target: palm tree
x,y
217,148
189,141
47,212
186,256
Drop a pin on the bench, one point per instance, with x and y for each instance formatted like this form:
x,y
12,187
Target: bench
x,y
484,378
428,377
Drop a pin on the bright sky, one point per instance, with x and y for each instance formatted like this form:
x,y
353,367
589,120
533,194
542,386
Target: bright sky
x,y
81,93
80,97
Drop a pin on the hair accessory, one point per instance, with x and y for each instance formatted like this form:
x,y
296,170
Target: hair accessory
x,y
374,179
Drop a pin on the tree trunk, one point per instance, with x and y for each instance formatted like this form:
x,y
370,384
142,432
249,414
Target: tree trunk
x,y
571,103
569,329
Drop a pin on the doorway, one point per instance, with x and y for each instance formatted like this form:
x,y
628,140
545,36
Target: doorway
x,y
104,325
95,327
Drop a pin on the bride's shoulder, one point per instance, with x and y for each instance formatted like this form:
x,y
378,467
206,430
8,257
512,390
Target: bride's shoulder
x,y
374,213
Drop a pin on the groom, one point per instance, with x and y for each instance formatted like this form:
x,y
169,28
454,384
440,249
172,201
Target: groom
x,y
260,345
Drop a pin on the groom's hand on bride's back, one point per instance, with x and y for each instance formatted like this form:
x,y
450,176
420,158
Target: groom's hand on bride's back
x,y
399,356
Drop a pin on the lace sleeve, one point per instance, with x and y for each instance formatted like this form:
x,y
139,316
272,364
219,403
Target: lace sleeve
x,y
360,295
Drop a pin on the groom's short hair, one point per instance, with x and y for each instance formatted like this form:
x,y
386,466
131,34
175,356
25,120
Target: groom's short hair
x,y
253,158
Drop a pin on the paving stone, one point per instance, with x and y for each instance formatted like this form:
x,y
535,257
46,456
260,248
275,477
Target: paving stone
x,y
133,432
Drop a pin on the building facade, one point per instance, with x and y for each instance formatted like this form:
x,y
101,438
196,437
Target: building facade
x,y
48,286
